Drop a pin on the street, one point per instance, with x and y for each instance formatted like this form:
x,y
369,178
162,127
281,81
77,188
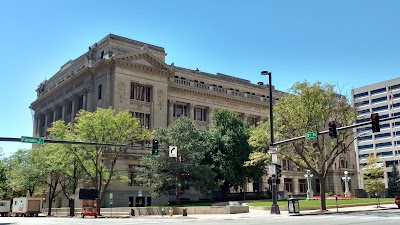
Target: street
x,y
390,216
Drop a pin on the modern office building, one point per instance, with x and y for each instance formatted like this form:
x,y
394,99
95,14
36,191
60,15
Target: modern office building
x,y
382,98
130,75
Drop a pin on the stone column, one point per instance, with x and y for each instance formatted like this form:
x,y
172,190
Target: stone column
x,y
35,125
73,111
63,112
191,111
171,112
39,122
209,110
108,88
55,114
310,192
84,102
46,119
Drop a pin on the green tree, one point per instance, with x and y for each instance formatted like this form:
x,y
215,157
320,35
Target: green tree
x,y
103,126
166,174
24,175
4,190
310,108
393,183
373,176
229,149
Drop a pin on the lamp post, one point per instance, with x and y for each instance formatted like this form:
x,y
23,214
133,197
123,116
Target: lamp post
x,y
275,206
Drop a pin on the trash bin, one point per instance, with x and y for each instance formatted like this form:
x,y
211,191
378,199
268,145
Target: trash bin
x,y
293,205
132,212
184,211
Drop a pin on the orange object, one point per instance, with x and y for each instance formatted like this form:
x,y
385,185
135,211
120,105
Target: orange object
x,y
171,212
89,208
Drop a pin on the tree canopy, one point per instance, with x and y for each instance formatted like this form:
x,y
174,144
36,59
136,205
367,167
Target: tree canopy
x,y
166,175
229,149
394,182
309,108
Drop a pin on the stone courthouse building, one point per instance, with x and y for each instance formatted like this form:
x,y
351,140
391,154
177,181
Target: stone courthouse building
x,y
132,76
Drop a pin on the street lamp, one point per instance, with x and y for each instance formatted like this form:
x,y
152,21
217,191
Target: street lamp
x,y
275,206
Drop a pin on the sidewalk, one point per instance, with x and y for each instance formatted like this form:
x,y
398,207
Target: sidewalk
x,y
259,213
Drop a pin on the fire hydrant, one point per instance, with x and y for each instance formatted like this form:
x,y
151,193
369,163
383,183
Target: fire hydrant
x,y
171,212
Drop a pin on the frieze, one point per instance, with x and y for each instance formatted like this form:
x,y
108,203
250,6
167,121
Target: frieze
x,y
160,98
121,91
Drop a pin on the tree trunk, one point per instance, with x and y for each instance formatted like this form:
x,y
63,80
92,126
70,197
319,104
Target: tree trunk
x,y
50,201
322,194
225,190
178,195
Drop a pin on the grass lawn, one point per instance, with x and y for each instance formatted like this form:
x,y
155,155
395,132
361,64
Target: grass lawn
x,y
329,202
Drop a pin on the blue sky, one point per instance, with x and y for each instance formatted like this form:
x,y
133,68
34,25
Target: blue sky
x,y
350,43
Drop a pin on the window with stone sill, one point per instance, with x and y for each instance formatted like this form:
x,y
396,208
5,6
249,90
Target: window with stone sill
x,y
180,110
140,92
302,186
132,174
200,114
288,184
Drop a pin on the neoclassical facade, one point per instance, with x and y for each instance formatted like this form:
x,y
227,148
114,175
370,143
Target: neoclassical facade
x,y
129,75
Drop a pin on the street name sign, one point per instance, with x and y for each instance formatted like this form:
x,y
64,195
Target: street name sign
x,y
310,135
32,140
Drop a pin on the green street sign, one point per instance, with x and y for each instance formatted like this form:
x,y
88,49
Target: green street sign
x,y
32,140
310,135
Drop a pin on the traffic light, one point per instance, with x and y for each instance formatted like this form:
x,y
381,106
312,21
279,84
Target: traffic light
x,y
154,149
278,169
375,122
332,129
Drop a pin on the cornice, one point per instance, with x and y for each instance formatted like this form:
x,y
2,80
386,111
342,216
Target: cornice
x,y
221,97
144,68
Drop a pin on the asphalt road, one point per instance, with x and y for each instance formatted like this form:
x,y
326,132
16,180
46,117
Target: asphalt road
x,y
389,217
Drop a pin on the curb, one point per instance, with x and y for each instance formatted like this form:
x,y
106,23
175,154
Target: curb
x,y
338,212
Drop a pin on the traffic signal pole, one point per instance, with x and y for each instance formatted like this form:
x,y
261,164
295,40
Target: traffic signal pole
x,y
339,129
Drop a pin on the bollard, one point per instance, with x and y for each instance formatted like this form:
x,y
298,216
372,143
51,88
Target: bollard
x,y
132,212
171,212
184,211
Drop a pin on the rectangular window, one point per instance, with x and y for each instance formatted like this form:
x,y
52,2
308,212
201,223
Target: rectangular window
x,y
365,138
140,92
377,91
396,105
363,111
382,145
200,114
132,175
363,120
383,126
381,99
180,110
394,87
366,102
143,117
99,91
384,153
80,102
288,184
380,108
360,95
362,147
384,135
302,186
252,121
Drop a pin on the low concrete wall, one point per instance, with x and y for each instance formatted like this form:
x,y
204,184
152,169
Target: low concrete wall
x,y
143,211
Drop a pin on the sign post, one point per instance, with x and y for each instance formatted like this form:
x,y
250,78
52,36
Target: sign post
x,y
310,135
173,151
111,202
32,140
